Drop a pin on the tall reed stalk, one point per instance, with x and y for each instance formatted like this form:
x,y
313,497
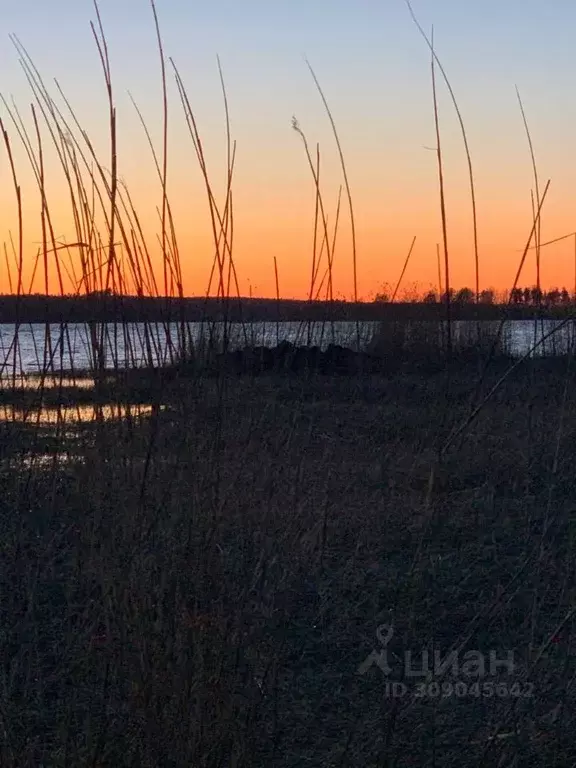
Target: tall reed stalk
x,y
442,209
348,193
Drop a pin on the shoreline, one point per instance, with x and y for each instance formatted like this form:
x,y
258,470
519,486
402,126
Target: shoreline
x,y
84,309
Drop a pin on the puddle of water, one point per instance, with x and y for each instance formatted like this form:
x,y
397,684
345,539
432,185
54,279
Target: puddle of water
x,y
72,414
44,460
69,417
34,382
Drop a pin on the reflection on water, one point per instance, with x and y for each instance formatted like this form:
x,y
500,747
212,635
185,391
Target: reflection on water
x,y
50,381
45,460
69,348
64,423
128,345
77,414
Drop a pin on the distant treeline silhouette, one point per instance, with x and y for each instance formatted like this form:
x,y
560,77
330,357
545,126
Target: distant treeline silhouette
x,y
105,307
528,296
534,296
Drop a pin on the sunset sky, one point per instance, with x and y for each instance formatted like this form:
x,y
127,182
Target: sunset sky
x,y
374,68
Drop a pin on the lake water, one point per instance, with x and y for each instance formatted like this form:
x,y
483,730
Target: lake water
x,y
125,345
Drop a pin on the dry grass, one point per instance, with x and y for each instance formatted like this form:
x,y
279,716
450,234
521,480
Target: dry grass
x,y
214,607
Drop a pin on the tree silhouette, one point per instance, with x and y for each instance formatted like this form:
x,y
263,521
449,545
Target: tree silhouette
x,y
517,296
451,294
464,296
535,295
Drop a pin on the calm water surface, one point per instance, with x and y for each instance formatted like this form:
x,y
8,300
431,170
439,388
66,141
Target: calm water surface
x,y
137,344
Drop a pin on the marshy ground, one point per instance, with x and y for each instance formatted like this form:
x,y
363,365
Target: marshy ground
x,y
200,586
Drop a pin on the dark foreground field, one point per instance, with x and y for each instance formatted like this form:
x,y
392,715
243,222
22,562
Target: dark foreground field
x,y
201,587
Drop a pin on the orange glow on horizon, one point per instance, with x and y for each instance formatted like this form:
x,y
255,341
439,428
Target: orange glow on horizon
x,y
287,235
374,70
394,188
